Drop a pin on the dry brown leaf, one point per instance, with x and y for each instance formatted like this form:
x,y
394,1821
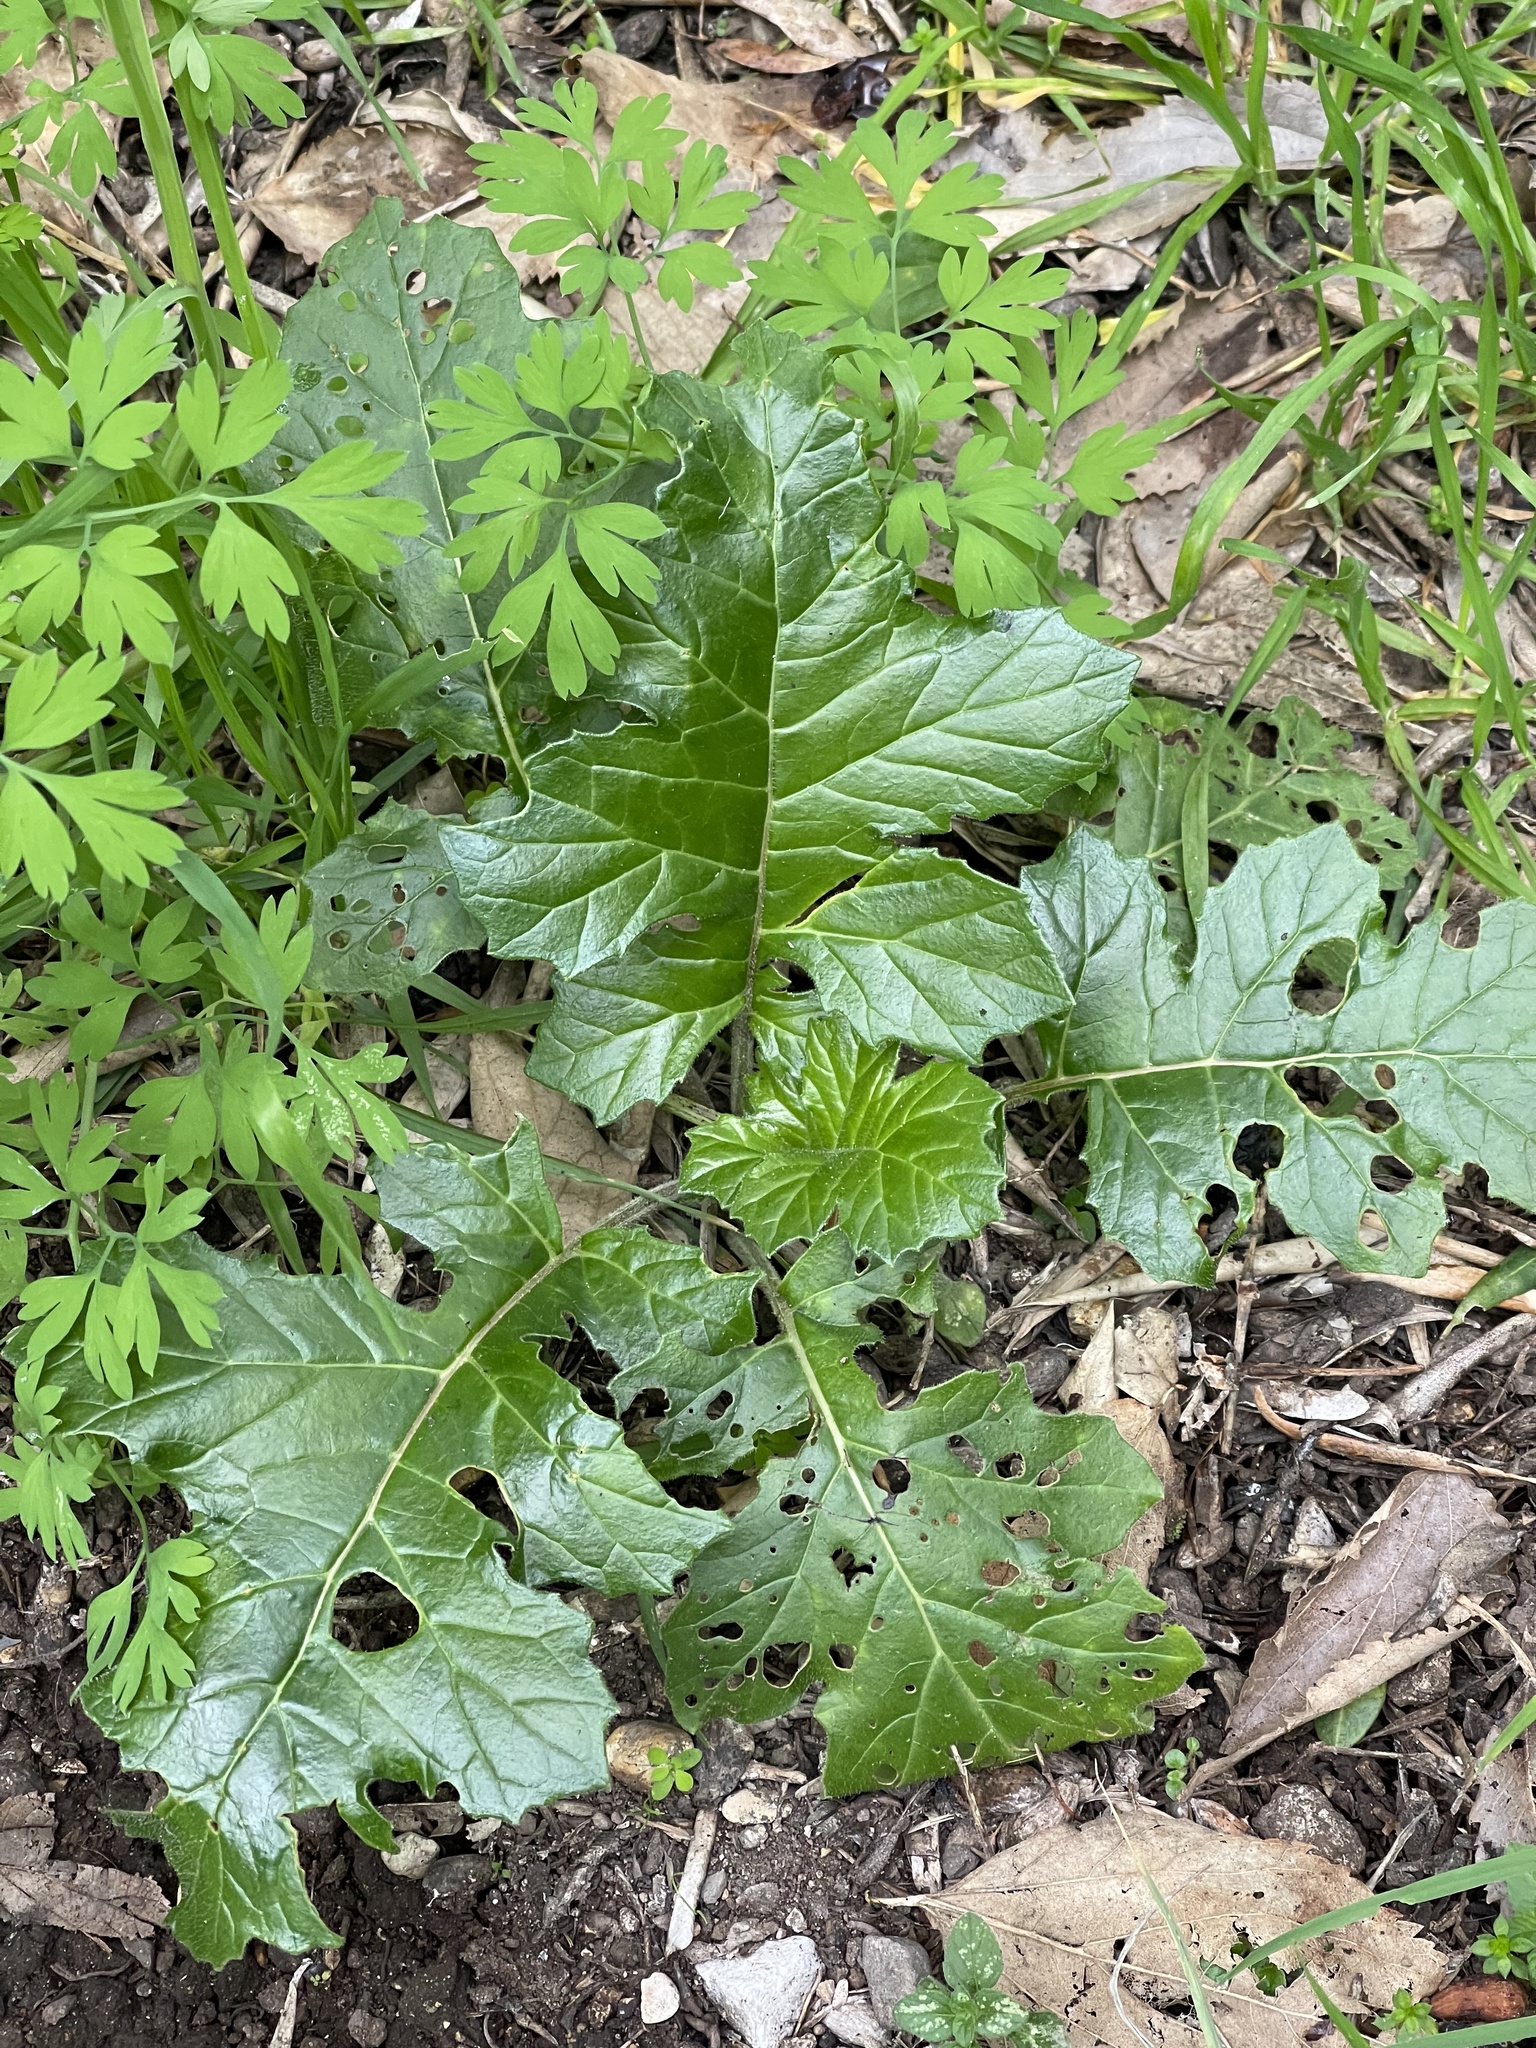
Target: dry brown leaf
x,y
1388,1603
1091,1388
816,28
502,1093
756,56
425,108
34,1892
712,113
1504,1811
1429,241
677,340
325,194
1172,143
1062,1906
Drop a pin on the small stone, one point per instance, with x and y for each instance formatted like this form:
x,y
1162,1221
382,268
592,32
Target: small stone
x,y
763,1995
712,1887
728,1749
749,1808
892,1967
366,2028
752,1838
1424,1684
795,1921
1300,1813
659,1998
629,1747
412,1857
964,1851
315,56
460,1877
764,1897
855,2023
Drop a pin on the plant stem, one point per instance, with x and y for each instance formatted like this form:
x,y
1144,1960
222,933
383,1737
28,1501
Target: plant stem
x,y
130,39
205,154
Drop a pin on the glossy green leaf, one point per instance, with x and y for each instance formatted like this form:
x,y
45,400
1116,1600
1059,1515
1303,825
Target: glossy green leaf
x,y
398,307
321,1437
385,906
929,952
1347,1724
1176,1065
895,1163
793,710
900,1557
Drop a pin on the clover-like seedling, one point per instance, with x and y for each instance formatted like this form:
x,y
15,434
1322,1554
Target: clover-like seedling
x,y
1505,1950
1410,2018
968,2007
1179,1763
671,1773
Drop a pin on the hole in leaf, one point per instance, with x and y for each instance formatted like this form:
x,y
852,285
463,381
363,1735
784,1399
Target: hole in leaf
x,y
1386,1077
784,1662
1322,976
1462,928
1263,739
892,1476
1259,1149
981,1653
719,1404
369,1614
842,1656
728,1631
339,941
416,282
1390,1175
1322,812
852,1567
998,1572
793,1504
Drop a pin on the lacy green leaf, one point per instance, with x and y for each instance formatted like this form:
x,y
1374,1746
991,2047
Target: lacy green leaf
x,y
397,308
901,1557
894,1163
1176,1065
789,710
385,906
320,1438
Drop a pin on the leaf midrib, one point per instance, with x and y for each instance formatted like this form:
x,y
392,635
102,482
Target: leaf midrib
x,y
326,1591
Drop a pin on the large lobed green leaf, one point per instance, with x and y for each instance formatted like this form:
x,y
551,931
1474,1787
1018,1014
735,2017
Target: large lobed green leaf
x,y
1176,1064
399,306
322,1438
927,1564
790,711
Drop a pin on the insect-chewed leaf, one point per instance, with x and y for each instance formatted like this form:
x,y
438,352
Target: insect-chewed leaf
x,y
386,905
399,308
801,709
895,1163
901,1556
327,1433
1276,774
1176,1065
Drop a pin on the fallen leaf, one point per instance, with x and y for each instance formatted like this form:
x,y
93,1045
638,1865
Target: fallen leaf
x,y
1430,242
1504,1811
1091,1388
323,196
1147,1355
712,113
815,28
1172,143
676,340
756,56
425,108
1387,1603
36,1892
501,1094
1317,1404
1065,1905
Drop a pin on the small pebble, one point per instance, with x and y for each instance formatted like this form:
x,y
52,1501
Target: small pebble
x,y
749,1808
315,56
712,1887
412,1857
366,2028
659,1998
1300,1813
752,1838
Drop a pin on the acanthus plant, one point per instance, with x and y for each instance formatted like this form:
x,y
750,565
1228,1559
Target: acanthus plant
x,y
678,611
